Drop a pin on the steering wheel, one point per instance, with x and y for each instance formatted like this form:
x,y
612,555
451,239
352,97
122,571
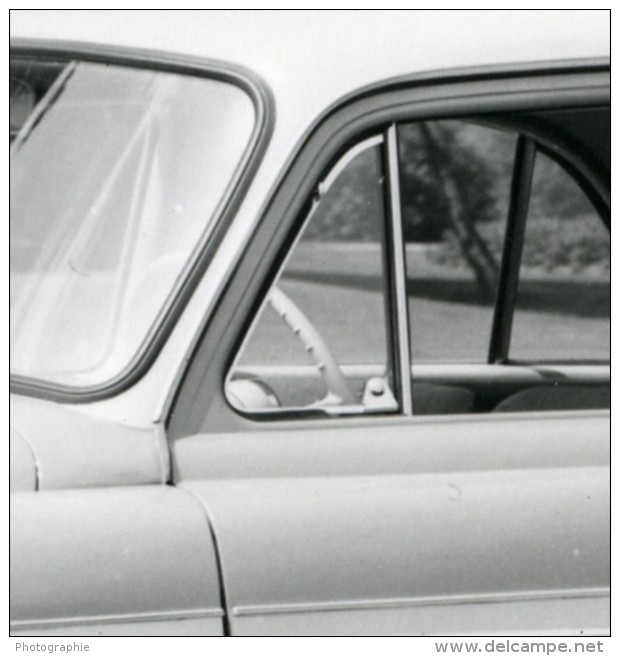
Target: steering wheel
x,y
339,391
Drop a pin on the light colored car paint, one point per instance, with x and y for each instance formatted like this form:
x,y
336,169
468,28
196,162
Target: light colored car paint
x,y
306,496
115,561
73,449
437,527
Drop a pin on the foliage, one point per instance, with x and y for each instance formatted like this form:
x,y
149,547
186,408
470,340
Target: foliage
x,y
551,244
455,188
452,173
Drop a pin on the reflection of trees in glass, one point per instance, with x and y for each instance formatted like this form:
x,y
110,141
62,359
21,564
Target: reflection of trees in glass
x,y
454,177
455,186
555,194
564,231
451,171
349,209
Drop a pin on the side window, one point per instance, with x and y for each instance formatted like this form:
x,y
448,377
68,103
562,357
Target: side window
x,y
562,312
507,272
322,339
445,267
455,188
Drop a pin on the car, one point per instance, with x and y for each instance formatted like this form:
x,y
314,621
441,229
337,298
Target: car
x,y
310,323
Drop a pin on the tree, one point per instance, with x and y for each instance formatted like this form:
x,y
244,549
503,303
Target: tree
x,y
453,175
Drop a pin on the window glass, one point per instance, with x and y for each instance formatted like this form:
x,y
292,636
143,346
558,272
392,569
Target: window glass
x,y
116,174
456,180
455,186
321,339
563,305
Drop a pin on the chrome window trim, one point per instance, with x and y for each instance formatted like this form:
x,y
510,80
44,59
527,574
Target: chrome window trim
x,y
396,247
343,162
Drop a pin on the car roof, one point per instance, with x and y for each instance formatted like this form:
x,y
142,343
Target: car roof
x,y
312,58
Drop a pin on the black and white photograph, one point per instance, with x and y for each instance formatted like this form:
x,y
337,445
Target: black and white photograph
x,y
310,327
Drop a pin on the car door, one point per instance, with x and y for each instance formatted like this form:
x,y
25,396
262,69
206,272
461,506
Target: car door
x,y
396,482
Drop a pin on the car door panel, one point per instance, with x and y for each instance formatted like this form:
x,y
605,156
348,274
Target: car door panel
x,y
397,446
464,529
118,561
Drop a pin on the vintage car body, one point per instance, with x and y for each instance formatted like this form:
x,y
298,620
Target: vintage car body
x,y
145,503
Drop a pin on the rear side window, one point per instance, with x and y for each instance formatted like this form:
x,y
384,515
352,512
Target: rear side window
x,y
563,304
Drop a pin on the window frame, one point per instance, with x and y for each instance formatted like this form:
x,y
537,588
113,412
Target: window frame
x,y
514,237
483,94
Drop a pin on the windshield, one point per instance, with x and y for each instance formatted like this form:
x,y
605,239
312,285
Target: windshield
x,y
116,175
